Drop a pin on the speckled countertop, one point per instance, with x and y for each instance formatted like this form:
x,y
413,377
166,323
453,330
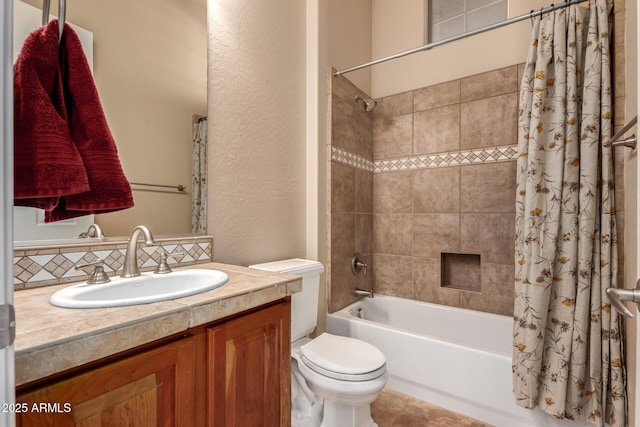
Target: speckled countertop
x,y
51,339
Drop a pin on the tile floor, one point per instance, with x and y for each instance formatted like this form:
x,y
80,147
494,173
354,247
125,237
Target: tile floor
x,y
393,409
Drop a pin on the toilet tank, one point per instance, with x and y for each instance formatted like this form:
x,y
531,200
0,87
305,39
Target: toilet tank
x,y
304,304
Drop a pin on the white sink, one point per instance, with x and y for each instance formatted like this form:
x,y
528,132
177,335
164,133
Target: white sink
x,y
146,288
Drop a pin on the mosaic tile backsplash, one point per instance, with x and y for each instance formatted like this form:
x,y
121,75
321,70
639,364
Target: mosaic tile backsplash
x,y
48,265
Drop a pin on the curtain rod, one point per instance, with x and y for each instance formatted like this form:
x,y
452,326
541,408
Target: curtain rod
x,y
462,36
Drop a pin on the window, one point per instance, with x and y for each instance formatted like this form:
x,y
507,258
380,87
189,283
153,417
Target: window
x,y
448,18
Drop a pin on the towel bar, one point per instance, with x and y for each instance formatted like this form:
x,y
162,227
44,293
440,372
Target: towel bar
x,y
180,188
629,142
617,295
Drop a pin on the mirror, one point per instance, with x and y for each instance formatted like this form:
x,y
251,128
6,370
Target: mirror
x,y
150,68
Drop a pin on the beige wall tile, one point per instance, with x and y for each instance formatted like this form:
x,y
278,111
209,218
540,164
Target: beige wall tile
x,y
436,96
618,107
435,233
520,74
436,190
394,105
392,275
343,181
343,88
343,284
488,187
364,234
472,300
489,122
364,191
392,136
392,192
426,283
490,235
436,130
497,288
343,236
342,249
491,83
351,128
392,234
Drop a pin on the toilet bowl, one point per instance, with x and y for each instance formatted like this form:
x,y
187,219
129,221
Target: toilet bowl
x,y
348,374
342,374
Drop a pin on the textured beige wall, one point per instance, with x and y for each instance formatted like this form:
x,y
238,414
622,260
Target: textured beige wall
x,y
348,33
484,52
150,70
256,129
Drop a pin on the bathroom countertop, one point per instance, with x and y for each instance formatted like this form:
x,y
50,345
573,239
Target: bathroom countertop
x,y
51,339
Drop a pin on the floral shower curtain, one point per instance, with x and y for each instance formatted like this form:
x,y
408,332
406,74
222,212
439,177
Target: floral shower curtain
x,y
199,177
567,354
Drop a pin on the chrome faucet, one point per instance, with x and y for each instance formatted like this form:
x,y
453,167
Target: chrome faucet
x,y
94,230
130,267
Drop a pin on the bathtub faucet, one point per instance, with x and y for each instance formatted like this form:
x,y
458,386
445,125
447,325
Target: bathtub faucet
x,y
357,266
363,293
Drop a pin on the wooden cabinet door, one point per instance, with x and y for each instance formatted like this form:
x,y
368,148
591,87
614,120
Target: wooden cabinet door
x,y
151,389
249,370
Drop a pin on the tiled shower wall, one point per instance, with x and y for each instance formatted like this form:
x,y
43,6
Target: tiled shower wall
x,y
458,206
350,197
440,165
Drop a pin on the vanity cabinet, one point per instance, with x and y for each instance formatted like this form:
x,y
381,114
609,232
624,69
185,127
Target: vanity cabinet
x,y
249,370
233,372
141,390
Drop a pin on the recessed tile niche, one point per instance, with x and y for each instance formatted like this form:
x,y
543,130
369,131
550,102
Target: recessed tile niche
x,y
460,271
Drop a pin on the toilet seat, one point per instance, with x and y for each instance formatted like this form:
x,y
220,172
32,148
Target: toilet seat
x,y
343,358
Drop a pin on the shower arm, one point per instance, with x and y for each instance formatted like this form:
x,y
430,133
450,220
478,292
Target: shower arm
x,y
618,295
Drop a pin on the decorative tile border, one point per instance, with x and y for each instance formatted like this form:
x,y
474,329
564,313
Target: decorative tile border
x,y
427,161
343,156
49,265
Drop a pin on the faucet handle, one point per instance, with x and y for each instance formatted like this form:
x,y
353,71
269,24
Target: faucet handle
x,y
163,266
97,274
358,266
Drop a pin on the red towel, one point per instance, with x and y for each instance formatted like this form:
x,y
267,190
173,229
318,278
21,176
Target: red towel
x,y
47,163
108,188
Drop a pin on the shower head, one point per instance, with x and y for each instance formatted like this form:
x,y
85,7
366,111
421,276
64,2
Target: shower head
x,y
369,104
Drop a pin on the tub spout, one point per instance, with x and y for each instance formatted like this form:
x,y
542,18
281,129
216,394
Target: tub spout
x,y
363,293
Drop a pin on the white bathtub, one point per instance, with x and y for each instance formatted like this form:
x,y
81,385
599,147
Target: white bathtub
x,y
454,358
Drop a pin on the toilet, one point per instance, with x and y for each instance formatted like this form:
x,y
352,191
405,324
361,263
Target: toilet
x,y
334,378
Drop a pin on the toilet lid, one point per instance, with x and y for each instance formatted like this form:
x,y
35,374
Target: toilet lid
x,y
343,358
